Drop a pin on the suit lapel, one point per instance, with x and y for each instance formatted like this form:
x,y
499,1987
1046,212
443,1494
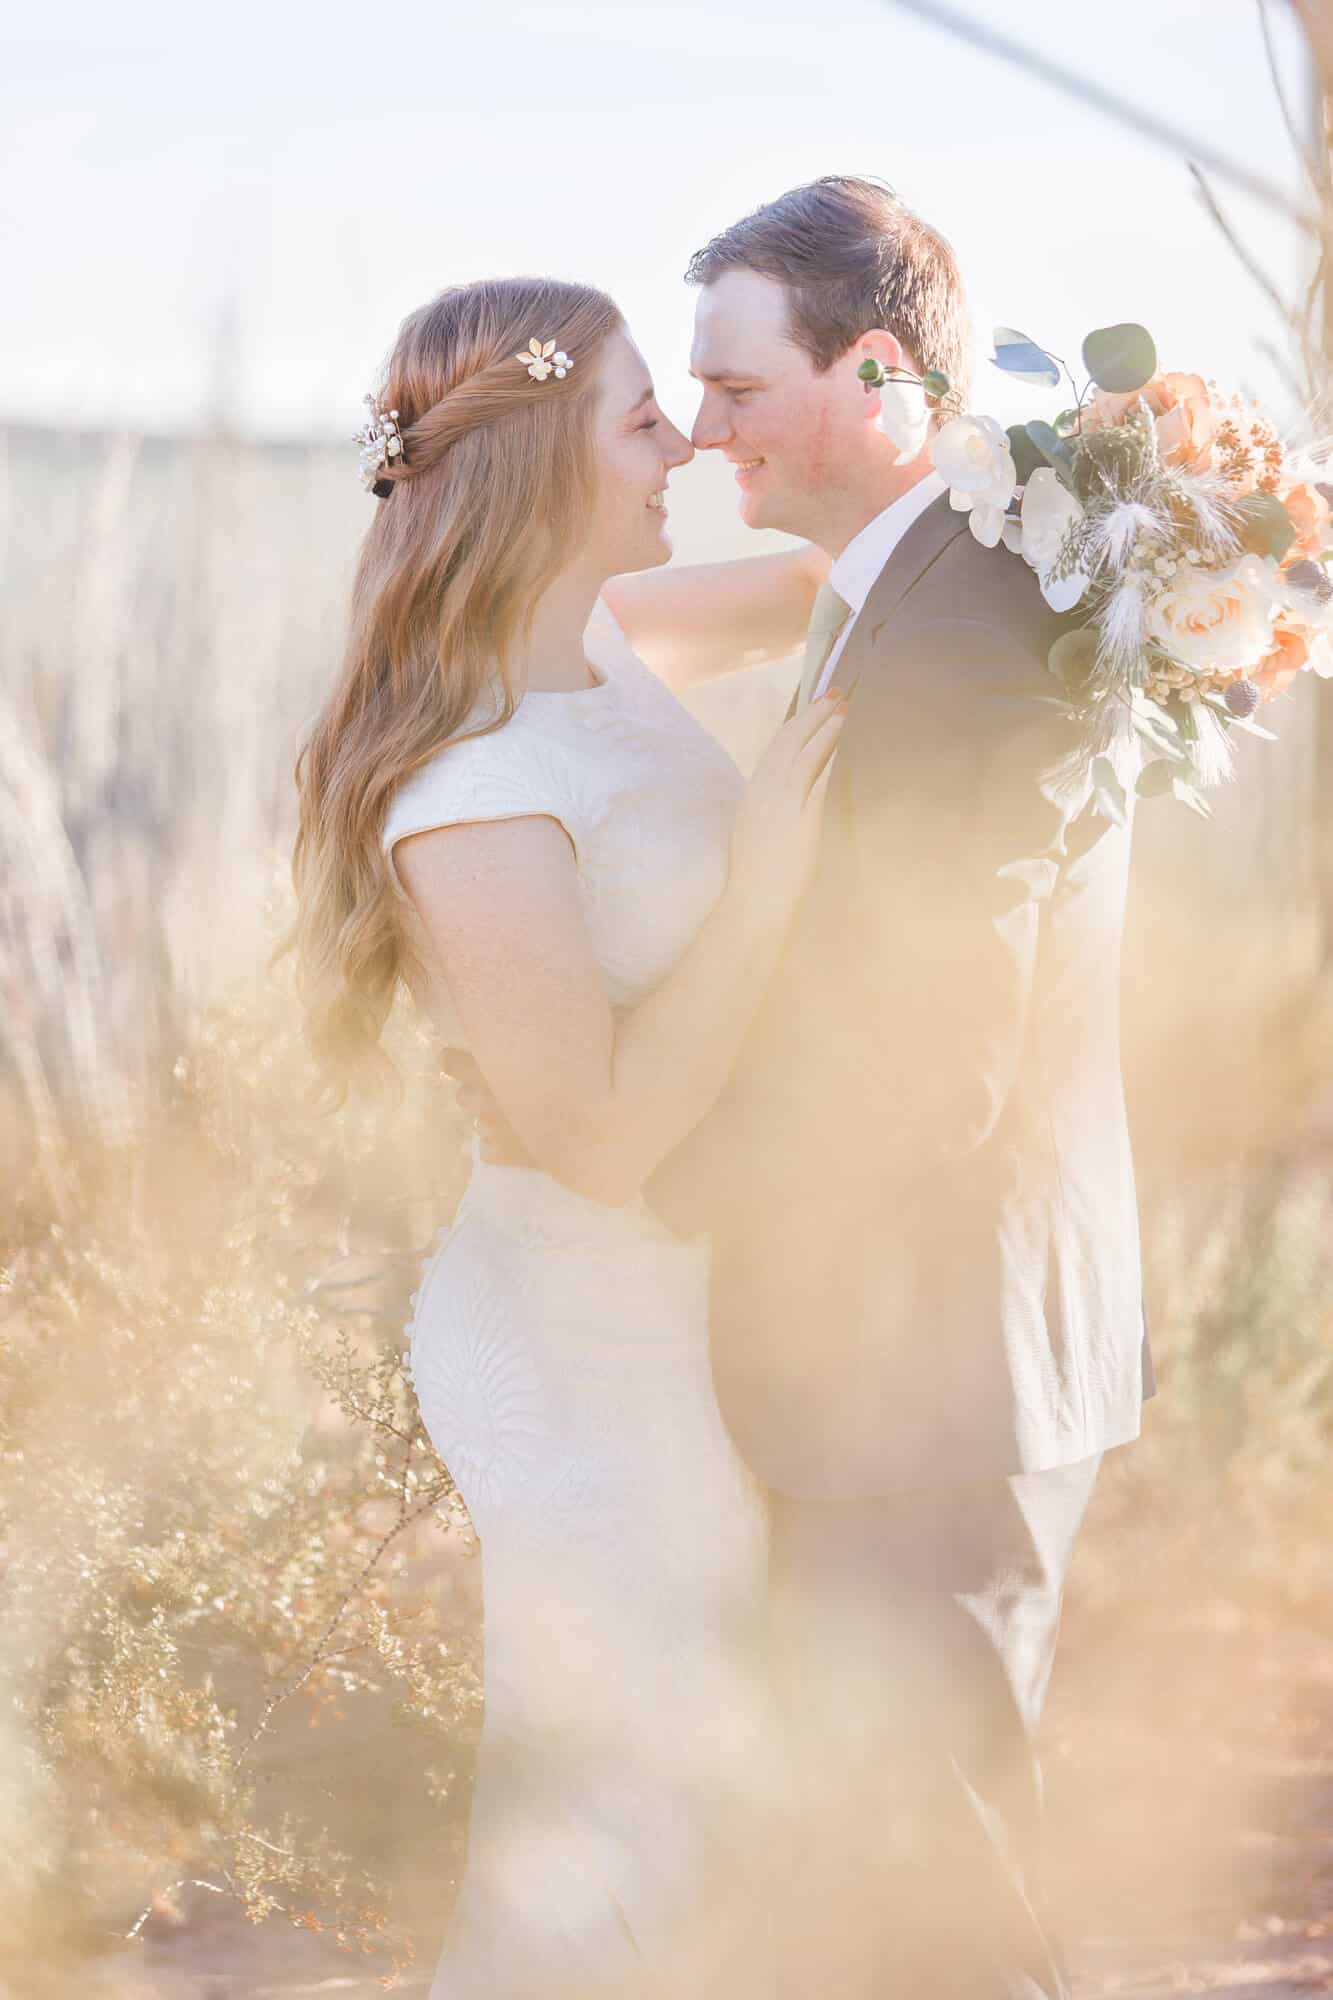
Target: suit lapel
x,y
925,541
923,544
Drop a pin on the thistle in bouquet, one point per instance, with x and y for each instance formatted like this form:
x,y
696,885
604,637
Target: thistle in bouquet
x,y
1187,541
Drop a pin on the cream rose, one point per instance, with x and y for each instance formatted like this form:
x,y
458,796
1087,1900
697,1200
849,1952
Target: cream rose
x,y
1216,620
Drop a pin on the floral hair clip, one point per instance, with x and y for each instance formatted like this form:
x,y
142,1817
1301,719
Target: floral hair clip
x,y
544,358
380,442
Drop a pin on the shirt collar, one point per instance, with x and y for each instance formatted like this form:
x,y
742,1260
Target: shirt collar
x,y
853,574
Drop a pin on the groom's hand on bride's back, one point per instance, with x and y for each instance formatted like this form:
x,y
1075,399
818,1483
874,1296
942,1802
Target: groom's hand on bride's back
x,y
500,1144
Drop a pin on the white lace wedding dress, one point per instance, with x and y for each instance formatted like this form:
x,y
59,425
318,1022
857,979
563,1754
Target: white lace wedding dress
x,y
560,1353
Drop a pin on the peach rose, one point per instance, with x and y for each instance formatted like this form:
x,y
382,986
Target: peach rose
x,y
1110,407
1309,513
1216,620
1279,668
1186,420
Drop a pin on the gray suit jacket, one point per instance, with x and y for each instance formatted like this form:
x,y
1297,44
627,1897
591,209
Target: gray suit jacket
x,y
918,1183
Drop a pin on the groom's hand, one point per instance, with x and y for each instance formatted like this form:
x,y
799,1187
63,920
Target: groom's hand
x,y
500,1144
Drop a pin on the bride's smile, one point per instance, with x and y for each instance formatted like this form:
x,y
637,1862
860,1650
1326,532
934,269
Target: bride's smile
x,y
638,449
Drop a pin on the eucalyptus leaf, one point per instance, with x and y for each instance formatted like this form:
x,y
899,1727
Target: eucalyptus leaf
x,y
1053,448
1266,526
1189,795
1109,792
1182,714
1161,732
1025,454
1245,722
1021,357
1120,358
1143,704
1066,423
1155,779
1252,728
1028,364
1072,657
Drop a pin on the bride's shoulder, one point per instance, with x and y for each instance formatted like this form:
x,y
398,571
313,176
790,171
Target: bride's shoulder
x,y
482,772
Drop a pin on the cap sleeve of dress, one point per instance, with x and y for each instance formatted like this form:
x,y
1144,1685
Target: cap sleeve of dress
x,y
505,774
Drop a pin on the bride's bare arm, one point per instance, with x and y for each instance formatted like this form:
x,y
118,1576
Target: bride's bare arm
x,y
599,1099
705,619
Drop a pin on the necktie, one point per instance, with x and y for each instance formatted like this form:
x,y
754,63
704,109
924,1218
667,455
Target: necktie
x,y
830,614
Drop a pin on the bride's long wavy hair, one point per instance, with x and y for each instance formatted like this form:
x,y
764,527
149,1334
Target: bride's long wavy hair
x,y
485,508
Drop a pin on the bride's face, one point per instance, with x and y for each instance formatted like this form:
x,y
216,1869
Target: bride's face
x,y
637,449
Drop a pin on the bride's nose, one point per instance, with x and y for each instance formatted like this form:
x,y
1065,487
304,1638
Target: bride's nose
x,y
679,450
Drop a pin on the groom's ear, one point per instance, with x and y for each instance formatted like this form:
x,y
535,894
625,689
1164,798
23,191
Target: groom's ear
x,y
876,344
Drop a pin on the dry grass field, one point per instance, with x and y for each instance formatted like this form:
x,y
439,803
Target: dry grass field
x,y
239,1641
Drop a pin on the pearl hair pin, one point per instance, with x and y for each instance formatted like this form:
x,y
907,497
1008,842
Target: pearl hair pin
x,y
543,358
380,442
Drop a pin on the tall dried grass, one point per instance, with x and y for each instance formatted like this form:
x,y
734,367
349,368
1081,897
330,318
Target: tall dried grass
x,y
220,1517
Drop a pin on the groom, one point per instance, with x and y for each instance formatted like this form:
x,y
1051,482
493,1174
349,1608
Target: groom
x,y
926,1289
926,1313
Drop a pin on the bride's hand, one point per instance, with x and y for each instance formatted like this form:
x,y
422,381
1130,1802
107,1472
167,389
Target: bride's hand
x,y
776,836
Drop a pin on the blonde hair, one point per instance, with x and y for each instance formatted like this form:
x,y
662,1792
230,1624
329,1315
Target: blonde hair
x,y
484,510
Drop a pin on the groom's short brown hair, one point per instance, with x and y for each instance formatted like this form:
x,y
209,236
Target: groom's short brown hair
x,y
852,255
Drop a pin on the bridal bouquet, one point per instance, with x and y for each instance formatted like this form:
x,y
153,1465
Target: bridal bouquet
x,y
1172,518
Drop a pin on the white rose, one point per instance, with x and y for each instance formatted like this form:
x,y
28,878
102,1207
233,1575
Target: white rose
x,y
1050,510
972,455
1215,620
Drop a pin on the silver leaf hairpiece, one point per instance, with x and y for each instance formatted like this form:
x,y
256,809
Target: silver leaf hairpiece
x,y
544,358
380,443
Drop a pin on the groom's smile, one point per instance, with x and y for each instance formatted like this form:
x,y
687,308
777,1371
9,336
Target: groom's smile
x,y
787,430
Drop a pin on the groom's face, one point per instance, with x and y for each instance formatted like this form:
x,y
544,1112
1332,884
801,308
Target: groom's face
x,y
786,429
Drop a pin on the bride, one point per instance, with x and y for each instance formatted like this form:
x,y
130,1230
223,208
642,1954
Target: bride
x,y
504,807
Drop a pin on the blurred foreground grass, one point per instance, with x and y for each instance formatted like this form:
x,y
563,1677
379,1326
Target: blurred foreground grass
x,y
240,1638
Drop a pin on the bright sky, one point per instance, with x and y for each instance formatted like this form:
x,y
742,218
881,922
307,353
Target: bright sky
x,y
327,164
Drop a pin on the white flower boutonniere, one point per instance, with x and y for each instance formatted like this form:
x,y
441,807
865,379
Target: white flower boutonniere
x,y
972,455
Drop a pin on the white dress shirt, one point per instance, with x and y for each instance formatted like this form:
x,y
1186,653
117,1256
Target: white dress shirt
x,y
853,574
